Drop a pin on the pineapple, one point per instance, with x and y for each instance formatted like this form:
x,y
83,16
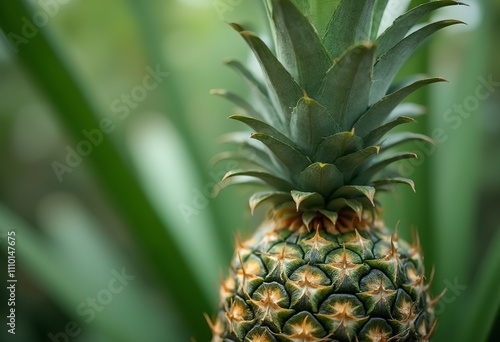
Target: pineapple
x,y
323,266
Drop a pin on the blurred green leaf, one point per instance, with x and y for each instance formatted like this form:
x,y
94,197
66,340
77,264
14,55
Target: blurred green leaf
x,y
71,278
484,301
456,177
148,20
74,104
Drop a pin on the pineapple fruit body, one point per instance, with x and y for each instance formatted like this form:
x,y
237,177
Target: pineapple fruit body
x,y
323,267
291,282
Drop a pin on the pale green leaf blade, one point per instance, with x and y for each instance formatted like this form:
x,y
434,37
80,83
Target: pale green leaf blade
x,y
274,197
408,109
376,135
350,163
378,13
299,46
330,215
258,90
338,145
293,159
319,12
395,180
346,86
356,191
262,127
339,203
307,200
283,89
365,175
272,180
389,64
239,102
310,124
252,150
380,111
321,178
245,160
246,75
399,138
350,24
402,25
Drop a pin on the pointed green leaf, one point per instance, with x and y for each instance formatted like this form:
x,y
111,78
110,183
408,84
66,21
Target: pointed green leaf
x,y
245,159
321,178
272,180
283,89
349,25
299,46
234,156
310,123
262,102
403,137
389,64
348,164
410,110
346,87
293,159
307,200
238,101
378,13
308,217
252,150
330,215
380,111
319,12
262,127
355,191
374,136
405,81
402,25
339,203
246,75
338,145
395,180
365,175
274,197
239,181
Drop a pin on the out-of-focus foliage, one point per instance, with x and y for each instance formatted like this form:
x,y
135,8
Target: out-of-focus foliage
x,y
134,210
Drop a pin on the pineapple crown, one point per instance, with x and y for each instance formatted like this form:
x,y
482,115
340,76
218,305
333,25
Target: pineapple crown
x,y
327,102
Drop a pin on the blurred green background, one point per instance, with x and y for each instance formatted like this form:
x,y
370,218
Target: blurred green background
x,y
107,129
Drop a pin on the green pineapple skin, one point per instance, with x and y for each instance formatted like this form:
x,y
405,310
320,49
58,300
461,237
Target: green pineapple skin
x,y
291,285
